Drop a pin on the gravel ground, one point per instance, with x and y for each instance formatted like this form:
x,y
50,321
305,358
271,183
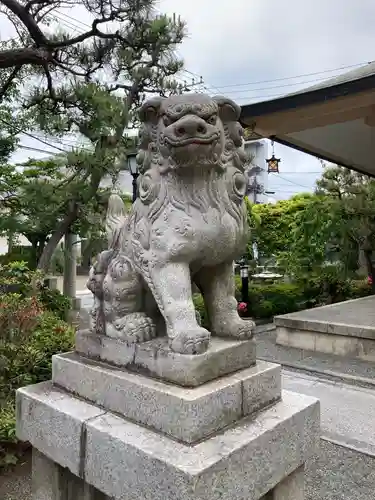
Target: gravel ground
x,y
336,473
16,485
269,351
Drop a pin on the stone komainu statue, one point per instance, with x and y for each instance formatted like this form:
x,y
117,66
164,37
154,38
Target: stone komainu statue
x,y
187,225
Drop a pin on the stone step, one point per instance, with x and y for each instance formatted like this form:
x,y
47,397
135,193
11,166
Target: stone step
x,y
185,414
155,358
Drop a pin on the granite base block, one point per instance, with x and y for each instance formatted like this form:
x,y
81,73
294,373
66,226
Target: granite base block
x,y
185,414
126,461
50,481
52,421
154,358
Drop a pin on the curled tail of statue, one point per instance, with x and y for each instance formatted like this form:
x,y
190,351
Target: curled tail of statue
x,y
115,219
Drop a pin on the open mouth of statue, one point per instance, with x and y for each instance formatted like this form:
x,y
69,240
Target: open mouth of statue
x,y
176,143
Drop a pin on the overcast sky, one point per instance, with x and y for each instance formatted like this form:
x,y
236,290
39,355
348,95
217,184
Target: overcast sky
x,y
233,45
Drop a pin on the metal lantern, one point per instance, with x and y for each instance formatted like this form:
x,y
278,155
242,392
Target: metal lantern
x,y
273,162
133,168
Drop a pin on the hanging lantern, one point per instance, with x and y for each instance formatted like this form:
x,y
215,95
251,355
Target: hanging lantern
x,y
273,162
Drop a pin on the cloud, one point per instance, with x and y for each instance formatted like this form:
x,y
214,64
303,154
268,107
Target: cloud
x,y
232,44
243,41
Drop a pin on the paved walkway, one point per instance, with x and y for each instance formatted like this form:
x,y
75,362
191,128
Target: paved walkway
x,y
80,283
347,412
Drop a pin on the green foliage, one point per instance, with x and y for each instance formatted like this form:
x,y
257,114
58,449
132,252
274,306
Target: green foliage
x,y
31,331
29,336
54,301
19,253
272,224
200,307
268,300
70,96
40,198
338,224
30,285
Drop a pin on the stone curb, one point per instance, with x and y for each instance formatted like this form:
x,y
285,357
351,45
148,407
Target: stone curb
x,y
329,374
354,445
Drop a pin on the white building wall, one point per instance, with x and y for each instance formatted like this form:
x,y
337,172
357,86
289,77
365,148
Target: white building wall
x,y
259,151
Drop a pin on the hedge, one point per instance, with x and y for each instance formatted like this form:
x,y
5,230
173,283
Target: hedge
x,y
268,300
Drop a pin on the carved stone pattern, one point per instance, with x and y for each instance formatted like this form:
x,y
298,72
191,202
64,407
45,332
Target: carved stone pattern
x,y
187,226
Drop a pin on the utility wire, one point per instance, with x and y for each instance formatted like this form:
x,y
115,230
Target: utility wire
x,y
260,89
291,182
37,150
20,131
219,88
297,76
79,26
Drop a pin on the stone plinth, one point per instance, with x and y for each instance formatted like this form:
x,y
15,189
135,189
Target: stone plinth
x,y
185,414
343,329
102,432
155,359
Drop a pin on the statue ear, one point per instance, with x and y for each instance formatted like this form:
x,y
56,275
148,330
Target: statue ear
x,y
229,111
149,111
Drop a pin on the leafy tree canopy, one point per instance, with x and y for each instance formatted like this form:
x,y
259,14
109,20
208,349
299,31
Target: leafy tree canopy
x,y
89,85
272,224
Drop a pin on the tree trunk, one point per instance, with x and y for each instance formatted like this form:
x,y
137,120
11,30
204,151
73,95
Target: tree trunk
x,y
62,228
29,55
105,142
362,263
370,268
10,239
70,265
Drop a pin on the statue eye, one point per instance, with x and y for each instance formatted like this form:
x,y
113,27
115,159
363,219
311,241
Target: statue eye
x,y
212,119
166,120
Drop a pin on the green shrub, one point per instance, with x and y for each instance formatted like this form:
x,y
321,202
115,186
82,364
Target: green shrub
x,y
31,283
268,300
200,307
19,253
8,439
360,288
273,299
55,301
26,358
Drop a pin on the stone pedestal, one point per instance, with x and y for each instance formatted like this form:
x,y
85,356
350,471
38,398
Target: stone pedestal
x,y
139,422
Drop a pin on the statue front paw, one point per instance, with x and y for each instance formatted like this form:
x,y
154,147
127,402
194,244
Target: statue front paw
x,y
133,328
237,328
191,341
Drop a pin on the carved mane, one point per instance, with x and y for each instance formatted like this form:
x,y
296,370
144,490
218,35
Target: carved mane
x,y
159,185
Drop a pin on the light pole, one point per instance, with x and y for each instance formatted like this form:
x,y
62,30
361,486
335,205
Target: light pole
x,y
244,273
133,168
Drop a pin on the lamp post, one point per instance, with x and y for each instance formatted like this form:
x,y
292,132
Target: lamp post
x,y
244,273
133,169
